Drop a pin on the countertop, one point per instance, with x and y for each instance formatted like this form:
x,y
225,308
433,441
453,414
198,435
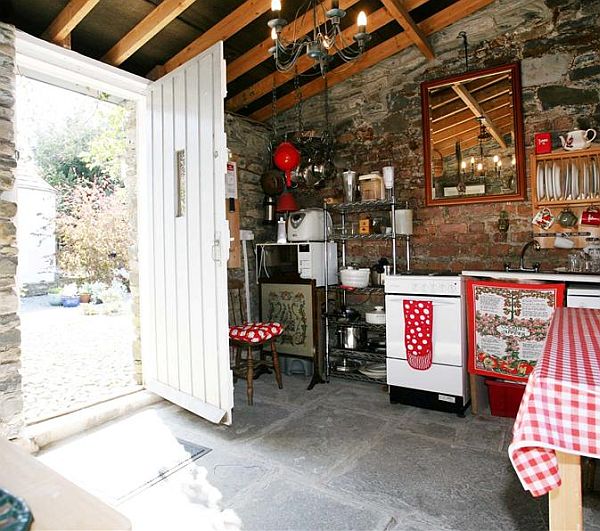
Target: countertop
x,y
584,278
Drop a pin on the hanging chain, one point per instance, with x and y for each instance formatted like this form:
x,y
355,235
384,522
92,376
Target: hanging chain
x,y
274,110
463,35
299,102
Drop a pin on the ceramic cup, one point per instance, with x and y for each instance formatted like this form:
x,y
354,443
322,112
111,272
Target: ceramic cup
x,y
544,219
591,216
563,242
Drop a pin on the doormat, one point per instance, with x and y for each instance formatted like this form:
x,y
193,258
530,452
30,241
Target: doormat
x,y
194,451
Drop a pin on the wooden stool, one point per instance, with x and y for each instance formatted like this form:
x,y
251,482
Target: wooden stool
x,y
248,336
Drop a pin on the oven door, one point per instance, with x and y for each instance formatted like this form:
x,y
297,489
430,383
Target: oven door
x,y
448,328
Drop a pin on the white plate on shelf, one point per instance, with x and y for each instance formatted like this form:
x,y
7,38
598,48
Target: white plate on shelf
x,y
568,182
556,181
575,181
595,179
541,188
549,182
586,181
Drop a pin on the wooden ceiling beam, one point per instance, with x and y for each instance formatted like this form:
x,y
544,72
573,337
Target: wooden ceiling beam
x,y
478,111
400,13
221,31
446,134
71,15
378,19
155,21
457,105
466,115
300,26
440,20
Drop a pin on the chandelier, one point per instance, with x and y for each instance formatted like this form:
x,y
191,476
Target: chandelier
x,y
325,40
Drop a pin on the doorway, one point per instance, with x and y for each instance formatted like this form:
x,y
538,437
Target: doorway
x,y
75,234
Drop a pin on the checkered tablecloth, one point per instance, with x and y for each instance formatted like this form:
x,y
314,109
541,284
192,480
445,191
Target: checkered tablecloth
x,y
560,409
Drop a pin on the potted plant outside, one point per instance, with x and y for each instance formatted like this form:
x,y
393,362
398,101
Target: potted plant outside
x,y
85,293
55,297
70,297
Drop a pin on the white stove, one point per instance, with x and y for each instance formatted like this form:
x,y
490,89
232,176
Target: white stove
x,y
444,385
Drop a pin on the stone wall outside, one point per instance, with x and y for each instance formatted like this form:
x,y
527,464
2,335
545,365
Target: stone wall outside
x,y
11,399
376,117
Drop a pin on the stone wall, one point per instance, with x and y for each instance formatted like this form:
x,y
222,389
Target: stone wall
x,y
249,143
11,401
376,116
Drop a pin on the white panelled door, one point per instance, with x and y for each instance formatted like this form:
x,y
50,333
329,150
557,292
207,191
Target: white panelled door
x,y
184,275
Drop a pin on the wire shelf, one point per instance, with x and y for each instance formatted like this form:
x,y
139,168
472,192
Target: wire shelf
x,y
357,377
362,237
363,355
358,323
364,291
362,206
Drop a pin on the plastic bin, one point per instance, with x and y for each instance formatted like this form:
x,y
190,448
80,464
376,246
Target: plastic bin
x,y
505,397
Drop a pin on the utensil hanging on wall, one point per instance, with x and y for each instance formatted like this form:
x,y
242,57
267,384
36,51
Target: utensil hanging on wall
x,y
286,158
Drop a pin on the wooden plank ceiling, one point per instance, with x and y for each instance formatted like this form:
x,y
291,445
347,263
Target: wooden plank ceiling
x,y
153,37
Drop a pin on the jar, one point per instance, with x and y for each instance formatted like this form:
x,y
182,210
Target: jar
x,y
592,249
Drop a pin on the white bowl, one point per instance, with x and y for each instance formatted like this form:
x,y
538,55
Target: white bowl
x,y
375,317
355,278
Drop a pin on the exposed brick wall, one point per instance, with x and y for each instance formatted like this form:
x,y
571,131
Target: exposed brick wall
x,y
11,398
376,117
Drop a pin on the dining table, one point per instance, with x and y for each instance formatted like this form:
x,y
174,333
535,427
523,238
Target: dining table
x,y
559,416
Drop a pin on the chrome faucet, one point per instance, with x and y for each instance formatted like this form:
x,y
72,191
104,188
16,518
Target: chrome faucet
x,y
535,267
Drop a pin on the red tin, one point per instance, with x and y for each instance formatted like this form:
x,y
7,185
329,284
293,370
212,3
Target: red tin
x,y
543,143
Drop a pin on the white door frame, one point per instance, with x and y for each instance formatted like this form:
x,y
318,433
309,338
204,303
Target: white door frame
x,y
47,62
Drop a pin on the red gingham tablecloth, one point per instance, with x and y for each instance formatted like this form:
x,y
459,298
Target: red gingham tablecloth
x,y
560,409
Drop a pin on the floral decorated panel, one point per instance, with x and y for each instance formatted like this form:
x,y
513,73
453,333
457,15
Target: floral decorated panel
x,y
508,324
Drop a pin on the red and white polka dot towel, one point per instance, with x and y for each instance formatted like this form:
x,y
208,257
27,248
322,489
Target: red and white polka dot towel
x,y
418,332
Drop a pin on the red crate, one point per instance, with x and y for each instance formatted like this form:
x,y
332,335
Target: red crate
x,y
505,397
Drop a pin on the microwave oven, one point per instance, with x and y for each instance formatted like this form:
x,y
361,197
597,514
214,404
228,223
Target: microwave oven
x,y
305,258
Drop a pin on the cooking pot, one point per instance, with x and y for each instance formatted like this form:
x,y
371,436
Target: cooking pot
x,y
351,337
348,314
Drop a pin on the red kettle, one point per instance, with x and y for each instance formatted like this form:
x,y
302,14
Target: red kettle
x,y
286,158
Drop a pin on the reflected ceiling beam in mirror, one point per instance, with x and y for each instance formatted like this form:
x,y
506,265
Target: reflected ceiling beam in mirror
x,y
148,27
473,104
72,14
221,31
450,123
376,20
457,106
400,13
300,26
372,56
489,84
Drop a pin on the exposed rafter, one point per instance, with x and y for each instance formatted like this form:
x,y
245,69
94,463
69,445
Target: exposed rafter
x,y
372,56
400,13
154,22
378,19
222,30
71,15
300,26
463,93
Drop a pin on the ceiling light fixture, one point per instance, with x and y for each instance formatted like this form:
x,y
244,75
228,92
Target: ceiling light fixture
x,y
324,40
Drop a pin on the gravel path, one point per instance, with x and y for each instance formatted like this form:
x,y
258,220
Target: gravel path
x,y
70,359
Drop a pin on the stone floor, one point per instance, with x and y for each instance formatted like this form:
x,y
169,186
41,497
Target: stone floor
x,y
70,359
337,457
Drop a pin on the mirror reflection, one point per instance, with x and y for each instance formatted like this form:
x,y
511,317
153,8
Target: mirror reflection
x,y
473,137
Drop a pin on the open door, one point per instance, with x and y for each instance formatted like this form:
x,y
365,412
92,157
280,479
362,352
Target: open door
x,y
184,264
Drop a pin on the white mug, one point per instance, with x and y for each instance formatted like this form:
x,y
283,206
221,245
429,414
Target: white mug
x,y
563,242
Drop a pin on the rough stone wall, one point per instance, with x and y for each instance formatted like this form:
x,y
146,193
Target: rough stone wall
x,y
249,144
131,180
376,116
11,400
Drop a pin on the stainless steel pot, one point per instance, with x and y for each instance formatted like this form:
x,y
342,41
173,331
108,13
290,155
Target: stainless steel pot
x,y
351,337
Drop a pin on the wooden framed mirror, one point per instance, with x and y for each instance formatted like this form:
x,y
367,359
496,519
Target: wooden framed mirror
x,y
473,137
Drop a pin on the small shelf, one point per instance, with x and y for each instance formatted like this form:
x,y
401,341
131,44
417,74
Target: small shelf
x,y
362,237
358,324
362,206
357,377
363,355
370,290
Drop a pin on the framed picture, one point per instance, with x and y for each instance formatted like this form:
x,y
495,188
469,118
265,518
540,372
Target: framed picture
x,y
508,324
293,304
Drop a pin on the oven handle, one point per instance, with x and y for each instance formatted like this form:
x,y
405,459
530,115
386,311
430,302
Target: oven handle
x,y
436,302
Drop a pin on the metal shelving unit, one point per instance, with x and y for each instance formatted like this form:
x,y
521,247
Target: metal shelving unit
x,y
344,210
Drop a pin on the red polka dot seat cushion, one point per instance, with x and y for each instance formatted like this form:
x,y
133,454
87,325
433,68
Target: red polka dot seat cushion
x,y
255,332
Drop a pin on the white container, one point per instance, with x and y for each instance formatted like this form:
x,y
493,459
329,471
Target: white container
x,y
355,278
377,316
404,221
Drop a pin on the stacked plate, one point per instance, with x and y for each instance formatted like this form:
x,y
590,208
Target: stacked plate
x,y
568,180
374,370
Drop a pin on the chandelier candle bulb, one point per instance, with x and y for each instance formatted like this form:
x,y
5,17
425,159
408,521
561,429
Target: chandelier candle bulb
x,y
361,22
275,5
